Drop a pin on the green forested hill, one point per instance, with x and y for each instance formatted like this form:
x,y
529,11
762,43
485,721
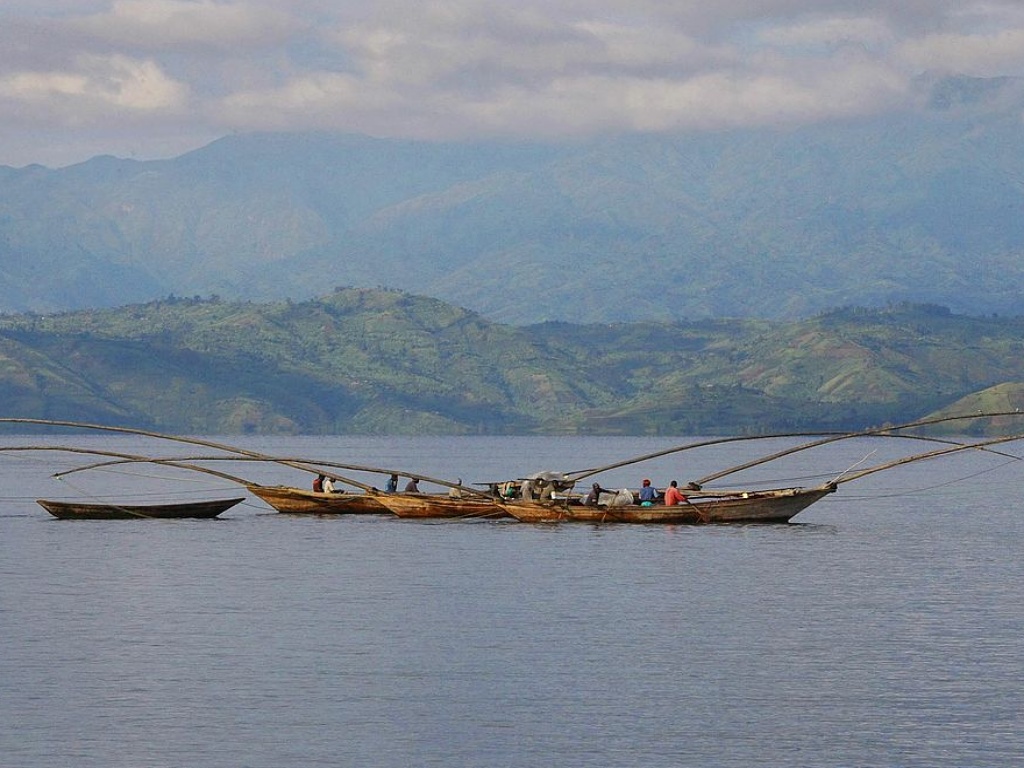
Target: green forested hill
x,y
364,361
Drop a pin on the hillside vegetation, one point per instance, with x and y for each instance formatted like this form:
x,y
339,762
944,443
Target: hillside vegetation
x,y
371,361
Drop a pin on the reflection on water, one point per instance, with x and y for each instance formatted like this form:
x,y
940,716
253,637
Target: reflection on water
x,y
881,629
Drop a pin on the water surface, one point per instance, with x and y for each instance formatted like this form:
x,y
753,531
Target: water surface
x,y
882,628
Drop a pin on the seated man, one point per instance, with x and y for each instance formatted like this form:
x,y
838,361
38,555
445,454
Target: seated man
x,y
595,494
648,493
673,495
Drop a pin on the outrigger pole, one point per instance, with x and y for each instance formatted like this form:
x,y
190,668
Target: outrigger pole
x,y
928,455
878,432
288,461
829,437
305,465
124,458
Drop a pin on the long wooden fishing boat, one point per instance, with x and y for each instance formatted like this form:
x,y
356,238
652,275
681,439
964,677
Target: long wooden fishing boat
x,y
300,501
703,506
778,505
71,510
425,505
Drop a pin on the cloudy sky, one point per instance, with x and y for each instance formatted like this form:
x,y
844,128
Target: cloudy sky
x,y
154,78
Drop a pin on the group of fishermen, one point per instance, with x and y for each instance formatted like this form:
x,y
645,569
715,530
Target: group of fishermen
x,y
542,489
324,484
646,497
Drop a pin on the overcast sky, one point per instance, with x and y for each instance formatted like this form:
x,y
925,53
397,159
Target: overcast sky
x,y
155,78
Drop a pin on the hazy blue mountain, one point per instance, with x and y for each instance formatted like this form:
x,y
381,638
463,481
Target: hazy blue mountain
x,y
927,206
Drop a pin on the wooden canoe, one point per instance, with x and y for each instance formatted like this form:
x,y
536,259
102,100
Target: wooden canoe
x,y
424,505
764,506
300,501
67,510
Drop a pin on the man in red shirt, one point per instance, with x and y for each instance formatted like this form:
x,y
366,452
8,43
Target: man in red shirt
x,y
673,495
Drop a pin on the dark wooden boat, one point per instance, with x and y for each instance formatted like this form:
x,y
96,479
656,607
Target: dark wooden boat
x,y
424,505
300,501
70,510
778,505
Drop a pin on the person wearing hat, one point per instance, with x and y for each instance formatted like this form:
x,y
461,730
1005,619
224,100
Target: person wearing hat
x,y
648,493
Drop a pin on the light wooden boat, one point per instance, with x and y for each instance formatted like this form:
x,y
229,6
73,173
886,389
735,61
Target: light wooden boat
x,y
424,505
765,506
300,501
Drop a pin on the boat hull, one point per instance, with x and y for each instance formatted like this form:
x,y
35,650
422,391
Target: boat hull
x,y
298,501
75,511
775,506
425,505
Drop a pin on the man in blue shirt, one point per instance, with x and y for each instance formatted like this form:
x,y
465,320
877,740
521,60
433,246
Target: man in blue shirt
x,y
648,493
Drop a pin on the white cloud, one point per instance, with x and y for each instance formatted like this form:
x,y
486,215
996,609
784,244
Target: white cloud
x,y
579,104
98,87
981,55
826,32
716,100
313,96
436,69
183,24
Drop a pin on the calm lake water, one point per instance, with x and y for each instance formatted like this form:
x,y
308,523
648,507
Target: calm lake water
x,y
882,628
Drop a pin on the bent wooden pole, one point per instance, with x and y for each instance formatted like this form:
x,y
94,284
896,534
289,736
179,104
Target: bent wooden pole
x,y
928,455
825,438
313,467
122,458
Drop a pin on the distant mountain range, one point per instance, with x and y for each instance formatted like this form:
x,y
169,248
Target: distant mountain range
x,y
926,207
